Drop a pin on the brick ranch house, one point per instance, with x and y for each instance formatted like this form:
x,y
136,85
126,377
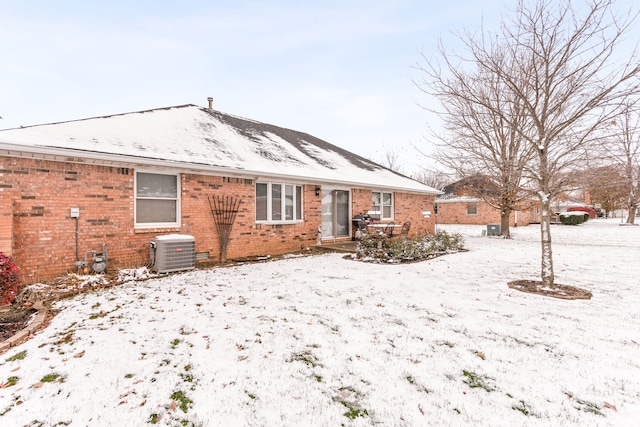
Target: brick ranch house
x,y
70,188
462,203
473,210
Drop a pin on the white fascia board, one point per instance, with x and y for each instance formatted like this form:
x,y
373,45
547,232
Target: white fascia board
x,y
70,155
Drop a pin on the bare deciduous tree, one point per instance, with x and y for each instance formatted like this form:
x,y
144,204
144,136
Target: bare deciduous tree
x,y
624,150
480,116
433,178
569,90
557,63
605,186
391,160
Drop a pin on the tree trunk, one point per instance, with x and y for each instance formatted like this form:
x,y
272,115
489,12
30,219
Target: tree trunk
x,y
631,218
505,231
545,234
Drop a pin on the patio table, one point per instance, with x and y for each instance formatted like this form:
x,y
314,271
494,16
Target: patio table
x,y
379,226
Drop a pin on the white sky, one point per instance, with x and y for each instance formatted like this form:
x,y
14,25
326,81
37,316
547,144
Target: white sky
x,y
339,70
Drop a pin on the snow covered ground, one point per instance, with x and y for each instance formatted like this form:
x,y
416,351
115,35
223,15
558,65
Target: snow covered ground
x,y
324,341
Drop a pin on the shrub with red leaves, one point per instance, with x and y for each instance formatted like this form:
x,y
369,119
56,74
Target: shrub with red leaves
x,y
9,281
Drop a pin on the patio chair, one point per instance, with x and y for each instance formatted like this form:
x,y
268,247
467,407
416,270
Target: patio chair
x,y
389,229
404,231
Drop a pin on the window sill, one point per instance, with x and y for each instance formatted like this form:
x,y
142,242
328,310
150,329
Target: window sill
x,y
156,230
278,222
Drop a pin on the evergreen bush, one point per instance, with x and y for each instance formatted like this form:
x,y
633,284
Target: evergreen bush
x,y
9,281
573,218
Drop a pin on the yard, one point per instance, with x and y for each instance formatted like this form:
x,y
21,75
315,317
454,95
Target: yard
x,y
324,341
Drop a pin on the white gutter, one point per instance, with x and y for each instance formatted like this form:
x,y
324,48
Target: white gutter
x,y
71,155
458,199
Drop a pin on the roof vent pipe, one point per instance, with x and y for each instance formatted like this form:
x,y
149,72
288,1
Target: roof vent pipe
x,y
210,99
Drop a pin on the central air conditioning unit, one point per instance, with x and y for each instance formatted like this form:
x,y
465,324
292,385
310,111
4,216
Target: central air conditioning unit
x,y
173,252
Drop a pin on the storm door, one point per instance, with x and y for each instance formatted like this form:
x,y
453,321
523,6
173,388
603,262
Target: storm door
x,y
335,213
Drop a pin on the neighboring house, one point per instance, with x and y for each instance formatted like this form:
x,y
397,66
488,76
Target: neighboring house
x,y
463,203
69,188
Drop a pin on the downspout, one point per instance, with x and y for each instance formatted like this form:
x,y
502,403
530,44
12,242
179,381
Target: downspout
x,y
77,250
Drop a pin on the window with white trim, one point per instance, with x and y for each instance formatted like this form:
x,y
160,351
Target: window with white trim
x,y
472,208
157,202
382,202
278,202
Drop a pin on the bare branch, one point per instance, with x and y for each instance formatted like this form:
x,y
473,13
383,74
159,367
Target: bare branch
x,y
532,101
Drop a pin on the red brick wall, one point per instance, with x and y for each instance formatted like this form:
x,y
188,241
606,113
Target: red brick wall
x,y
37,196
456,213
44,234
6,219
360,201
37,229
407,207
247,237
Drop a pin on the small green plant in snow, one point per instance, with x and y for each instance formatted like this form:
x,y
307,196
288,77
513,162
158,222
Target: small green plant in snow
x,y
17,356
183,401
474,380
49,378
353,412
521,407
11,381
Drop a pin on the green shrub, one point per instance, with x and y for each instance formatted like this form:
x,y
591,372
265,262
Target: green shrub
x,y
422,246
8,279
573,218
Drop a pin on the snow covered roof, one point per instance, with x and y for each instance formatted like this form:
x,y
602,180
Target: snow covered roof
x,y
208,141
451,198
469,189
